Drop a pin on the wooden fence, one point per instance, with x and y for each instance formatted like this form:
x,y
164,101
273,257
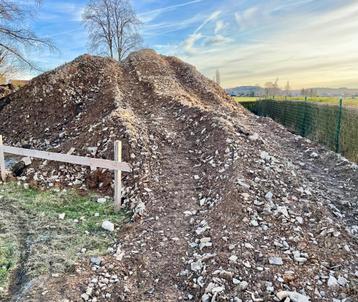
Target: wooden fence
x,y
117,165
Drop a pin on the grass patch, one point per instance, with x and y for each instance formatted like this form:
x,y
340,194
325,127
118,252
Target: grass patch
x,y
29,220
52,203
351,102
7,261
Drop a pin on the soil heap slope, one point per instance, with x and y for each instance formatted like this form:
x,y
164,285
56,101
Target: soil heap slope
x,y
230,207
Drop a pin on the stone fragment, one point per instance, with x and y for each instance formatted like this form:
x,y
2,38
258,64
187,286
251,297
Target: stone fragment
x,y
332,281
342,281
275,261
96,261
294,296
101,200
243,285
254,137
108,226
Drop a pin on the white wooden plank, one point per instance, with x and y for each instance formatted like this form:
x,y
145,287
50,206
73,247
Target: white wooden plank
x,y
117,176
66,158
2,162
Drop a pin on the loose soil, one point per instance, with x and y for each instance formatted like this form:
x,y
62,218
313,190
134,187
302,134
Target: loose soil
x,y
215,191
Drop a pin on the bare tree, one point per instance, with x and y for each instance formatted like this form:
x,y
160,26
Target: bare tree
x,y
113,27
287,88
5,66
218,77
15,37
269,88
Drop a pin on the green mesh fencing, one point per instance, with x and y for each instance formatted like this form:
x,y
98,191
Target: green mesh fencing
x,y
333,126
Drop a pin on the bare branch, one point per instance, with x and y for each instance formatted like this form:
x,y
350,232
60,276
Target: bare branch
x,y
113,27
15,36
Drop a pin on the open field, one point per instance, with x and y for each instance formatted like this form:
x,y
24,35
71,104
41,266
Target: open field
x,y
322,100
321,122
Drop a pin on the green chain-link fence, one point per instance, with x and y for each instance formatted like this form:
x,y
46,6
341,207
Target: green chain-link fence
x,y
335,126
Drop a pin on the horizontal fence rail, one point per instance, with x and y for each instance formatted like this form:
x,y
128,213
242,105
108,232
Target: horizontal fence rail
x,y
66,158
117,165
332,125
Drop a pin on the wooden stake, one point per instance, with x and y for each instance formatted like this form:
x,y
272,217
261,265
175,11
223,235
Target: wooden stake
x,y
117,176
2,161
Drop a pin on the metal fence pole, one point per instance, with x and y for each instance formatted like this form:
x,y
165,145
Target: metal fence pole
x,y
2,162
304,120
338,127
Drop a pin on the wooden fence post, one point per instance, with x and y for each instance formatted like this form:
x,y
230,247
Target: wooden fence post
x,y
2,161
117,176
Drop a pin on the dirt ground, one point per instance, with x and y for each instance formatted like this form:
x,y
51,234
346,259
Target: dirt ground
x,y
227,206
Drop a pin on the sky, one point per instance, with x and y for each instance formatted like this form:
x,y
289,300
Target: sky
x,y
310,43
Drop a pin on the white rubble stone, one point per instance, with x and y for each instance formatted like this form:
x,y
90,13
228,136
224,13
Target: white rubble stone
x,y
299,220
275,261
254,223
101,200
294,296
265,156
27,161
248,246
233,258
243,285
269,196
314,155
332,281
108,226
283,210
342,281
205,298
196,266
254,137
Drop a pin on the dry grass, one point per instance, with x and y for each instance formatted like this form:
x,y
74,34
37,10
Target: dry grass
x,y
35,240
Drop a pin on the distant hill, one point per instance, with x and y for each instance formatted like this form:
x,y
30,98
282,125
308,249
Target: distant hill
x,y
318,91
336,91
246,91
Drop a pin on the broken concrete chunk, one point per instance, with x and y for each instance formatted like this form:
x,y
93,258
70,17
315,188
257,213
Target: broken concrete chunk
x,y
96,261
27,161
254,137
294,296
108,226
101,200
275,261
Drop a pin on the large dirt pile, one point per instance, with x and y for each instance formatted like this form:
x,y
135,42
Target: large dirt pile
x,y
232,207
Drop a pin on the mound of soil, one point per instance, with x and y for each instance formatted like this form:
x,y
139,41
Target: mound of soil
x,y
231,207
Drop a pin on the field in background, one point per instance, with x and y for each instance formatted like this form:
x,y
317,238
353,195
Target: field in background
x,y
333,126
323,100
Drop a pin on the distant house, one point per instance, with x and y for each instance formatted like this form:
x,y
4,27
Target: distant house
x,y
18,83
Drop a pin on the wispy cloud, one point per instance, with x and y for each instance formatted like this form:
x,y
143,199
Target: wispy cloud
x,y
210,18
308,42
319,51
151,15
